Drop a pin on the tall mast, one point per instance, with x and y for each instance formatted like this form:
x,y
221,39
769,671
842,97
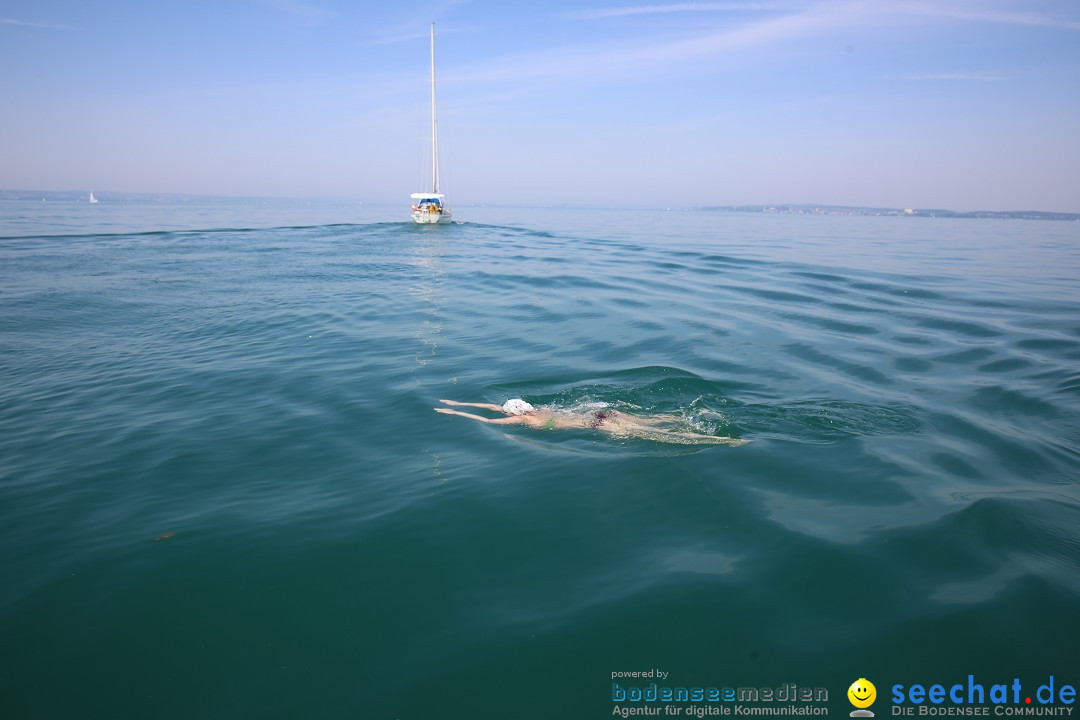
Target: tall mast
x,y
434,122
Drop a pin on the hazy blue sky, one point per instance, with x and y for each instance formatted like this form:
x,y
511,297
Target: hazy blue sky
x,y
935,103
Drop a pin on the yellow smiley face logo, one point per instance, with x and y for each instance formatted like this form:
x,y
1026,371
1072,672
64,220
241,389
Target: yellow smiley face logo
x,y
862,693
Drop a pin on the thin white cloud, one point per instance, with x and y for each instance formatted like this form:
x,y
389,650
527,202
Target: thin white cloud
x,y
682,8
956,10
413,35
619,59
960,77
983,15
24,23
613,59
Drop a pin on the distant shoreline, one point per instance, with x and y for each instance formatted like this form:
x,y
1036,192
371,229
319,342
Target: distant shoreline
x,y
783,209
896,212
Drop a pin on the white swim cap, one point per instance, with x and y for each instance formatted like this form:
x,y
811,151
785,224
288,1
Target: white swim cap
x,y
517,406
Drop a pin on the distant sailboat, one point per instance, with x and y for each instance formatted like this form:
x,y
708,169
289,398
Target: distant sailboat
x,y
428,207
92,198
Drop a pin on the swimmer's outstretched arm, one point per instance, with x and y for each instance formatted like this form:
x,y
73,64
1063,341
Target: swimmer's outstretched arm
x,y
512,420
483,406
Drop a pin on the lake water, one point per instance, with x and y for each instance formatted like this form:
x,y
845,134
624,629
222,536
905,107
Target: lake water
x,y
224,492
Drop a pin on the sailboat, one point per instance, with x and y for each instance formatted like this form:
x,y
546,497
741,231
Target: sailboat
x,y
429,208
92,198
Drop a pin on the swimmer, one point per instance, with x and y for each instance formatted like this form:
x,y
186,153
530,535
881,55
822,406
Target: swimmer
x,y
615,422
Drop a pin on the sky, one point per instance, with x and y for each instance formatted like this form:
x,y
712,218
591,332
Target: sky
x,y
958,104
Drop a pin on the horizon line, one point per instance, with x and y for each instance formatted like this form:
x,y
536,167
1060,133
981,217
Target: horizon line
x,y
6,193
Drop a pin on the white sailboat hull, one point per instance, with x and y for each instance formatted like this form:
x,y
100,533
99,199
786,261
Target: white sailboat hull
x,y
430,218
